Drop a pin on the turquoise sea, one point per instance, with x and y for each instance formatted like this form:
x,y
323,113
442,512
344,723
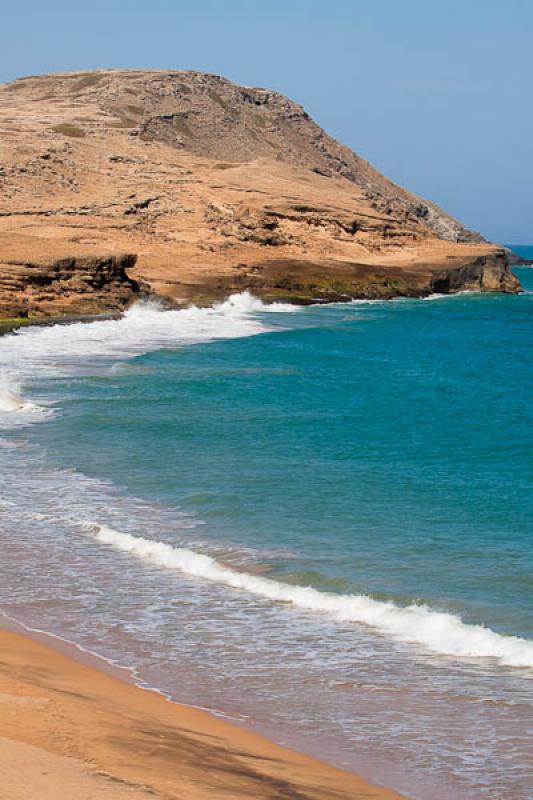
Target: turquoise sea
x,y
316,521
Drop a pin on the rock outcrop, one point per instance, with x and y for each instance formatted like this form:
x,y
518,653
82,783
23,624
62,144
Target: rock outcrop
x,y
40,285
487,273
213,187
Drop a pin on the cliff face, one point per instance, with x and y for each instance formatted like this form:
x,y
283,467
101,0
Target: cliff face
x,y
487,273
213,186
40,285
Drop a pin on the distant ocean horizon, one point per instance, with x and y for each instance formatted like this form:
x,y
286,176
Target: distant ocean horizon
x,y
316,521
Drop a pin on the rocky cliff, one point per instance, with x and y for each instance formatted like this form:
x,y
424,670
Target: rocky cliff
x,y
34,282
210,187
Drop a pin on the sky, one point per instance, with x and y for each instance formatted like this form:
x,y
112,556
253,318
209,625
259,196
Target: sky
x,y
437,95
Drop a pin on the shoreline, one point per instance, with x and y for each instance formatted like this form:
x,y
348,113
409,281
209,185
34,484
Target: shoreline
x,y
11,325
81,724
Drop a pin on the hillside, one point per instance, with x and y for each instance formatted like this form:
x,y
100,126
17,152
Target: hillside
x,y
182,184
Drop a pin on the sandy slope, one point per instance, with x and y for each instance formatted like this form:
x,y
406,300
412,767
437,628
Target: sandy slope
x,y
69,730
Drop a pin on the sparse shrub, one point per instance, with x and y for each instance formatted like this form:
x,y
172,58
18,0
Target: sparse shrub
x,y
217,99
181,125
87,80
67,129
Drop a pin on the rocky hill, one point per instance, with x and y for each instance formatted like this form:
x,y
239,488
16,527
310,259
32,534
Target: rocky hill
x,y
182,184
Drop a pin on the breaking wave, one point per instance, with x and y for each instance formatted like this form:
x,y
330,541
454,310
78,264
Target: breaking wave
x,y
9,401
439,632
13,405
40,353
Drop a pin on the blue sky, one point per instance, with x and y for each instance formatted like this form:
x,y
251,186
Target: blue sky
x,y
438,95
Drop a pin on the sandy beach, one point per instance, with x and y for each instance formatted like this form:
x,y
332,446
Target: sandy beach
x,y
69,729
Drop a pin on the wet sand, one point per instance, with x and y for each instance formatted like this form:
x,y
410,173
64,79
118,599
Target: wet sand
x,y
70,729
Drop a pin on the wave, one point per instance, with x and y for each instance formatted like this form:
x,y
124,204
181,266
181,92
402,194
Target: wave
x,y
362,301
247,303
60,350
11,403
438,296
440,632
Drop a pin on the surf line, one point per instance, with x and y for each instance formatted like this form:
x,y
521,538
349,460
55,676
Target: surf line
x,y
439,632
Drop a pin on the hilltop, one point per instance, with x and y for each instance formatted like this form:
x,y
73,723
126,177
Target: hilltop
x,y
121,182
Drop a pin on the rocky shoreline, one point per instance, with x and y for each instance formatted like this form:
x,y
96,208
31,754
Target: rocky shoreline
x,y
70,284
295,282
81,286
8,325
303,282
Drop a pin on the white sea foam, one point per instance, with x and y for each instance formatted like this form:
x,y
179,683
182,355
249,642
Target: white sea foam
x,y
449,296
437,296
400,299
9,401
247,303
37,353
13,405
439,632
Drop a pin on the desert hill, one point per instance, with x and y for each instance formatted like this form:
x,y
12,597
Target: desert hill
x,y
189,186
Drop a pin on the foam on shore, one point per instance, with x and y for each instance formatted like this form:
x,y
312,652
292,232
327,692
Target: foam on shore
x,y
13,405
439,632
58,350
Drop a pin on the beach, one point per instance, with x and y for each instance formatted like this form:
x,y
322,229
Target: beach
x,y
252,510
70,729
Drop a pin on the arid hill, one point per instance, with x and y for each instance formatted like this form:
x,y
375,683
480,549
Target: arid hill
x,y
185,185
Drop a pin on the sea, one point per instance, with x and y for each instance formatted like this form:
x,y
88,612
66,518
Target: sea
x,y
313,521
523,250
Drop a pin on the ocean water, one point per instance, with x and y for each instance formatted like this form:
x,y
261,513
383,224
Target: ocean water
x,y
315,521
523,250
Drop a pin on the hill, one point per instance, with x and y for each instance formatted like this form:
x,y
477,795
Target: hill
x,y
186,185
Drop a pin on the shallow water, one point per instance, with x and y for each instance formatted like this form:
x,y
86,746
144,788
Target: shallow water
x,y
170,484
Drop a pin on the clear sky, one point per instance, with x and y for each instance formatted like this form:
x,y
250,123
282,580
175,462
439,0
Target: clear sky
x,y
438,95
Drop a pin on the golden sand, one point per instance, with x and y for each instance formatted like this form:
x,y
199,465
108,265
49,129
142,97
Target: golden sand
x,y
70,730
